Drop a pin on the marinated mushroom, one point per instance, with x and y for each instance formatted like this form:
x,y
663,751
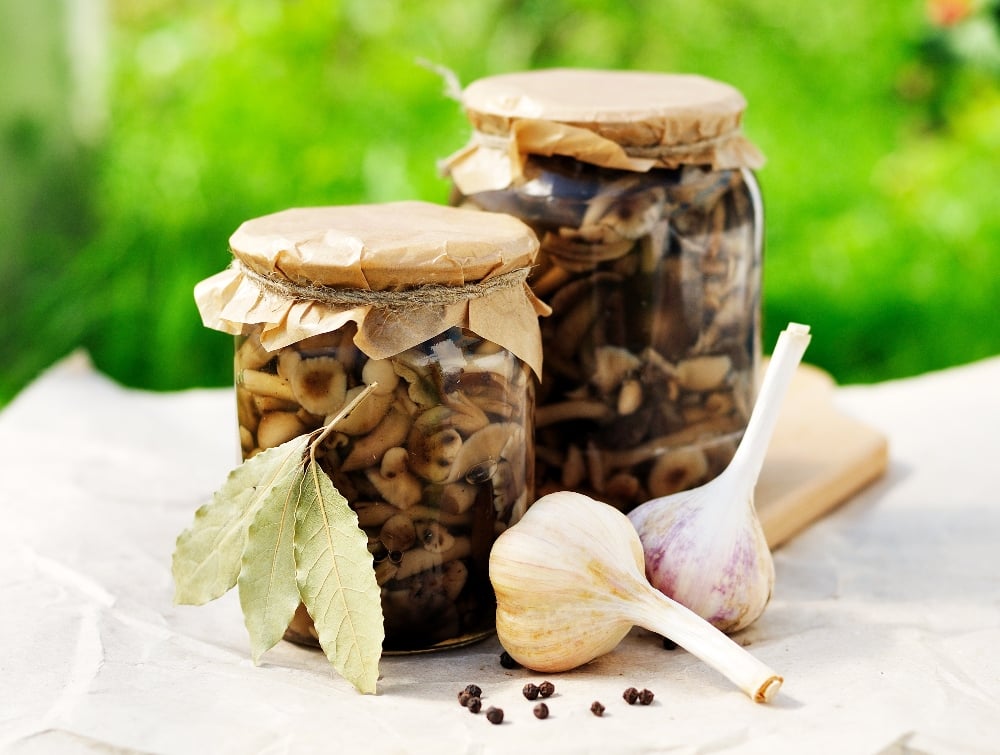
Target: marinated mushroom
x,y
459,399
380,372
434,537
484,449
454,575
276,428
319,384
457,497
398,533
676,470
367,415
367,450
433,453
395,483
251,355
266,384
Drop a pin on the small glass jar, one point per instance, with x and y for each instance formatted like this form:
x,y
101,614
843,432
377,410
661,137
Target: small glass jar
x,y
641,189
438,459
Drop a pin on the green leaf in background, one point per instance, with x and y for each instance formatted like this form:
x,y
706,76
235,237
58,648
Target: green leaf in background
x,y
207,558
336,581
268,592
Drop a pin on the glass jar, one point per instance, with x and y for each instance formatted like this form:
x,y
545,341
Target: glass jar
x,y
641,189
439,458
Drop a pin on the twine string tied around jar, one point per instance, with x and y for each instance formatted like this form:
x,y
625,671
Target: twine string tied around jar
x,y
419,296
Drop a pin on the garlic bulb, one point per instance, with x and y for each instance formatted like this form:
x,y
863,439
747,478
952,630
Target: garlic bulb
x,y
705,547
569,584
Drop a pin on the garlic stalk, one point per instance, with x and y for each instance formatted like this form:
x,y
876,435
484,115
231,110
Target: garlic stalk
x,y
569,583
705,547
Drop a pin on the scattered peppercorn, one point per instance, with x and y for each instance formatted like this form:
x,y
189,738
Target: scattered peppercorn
x,y
463,697
541,710
507,661
546,689
631,695
531,691
474,690
669,644
645,697
596,708
494,715
475,705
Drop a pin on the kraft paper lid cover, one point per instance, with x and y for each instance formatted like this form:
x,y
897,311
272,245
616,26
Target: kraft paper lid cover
x,y
403,271
630,120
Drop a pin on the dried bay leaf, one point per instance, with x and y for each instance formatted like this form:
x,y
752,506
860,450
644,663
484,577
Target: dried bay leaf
x,y
269,594
336,580
280,529
208,555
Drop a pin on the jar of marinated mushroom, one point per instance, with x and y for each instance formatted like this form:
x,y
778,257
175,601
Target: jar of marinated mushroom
x,y
641,189
431,304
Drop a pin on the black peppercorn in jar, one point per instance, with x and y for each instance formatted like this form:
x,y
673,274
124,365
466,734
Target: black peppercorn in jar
x,y
430,305
641,189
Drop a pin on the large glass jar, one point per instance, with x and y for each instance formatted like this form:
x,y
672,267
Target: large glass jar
x,y
641,189
438,459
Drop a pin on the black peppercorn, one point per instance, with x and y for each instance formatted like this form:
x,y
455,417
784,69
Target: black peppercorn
x,y
541,710
596,708
463,697
495,715
530,691
545,689
645,697
631,695
507,661
475,705
474,690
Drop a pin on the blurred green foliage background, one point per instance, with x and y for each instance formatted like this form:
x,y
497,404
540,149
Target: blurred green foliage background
x,y
136,135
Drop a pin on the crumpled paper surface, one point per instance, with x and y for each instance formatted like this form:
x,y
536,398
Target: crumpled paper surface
x,y
885,619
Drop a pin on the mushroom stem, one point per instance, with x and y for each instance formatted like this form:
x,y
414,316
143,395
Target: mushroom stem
x,y
550,281
266,384
567,410
652,448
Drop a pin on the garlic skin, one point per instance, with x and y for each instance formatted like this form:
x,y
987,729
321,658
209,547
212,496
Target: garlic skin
x,y
718,566
705,547
562,569
569,584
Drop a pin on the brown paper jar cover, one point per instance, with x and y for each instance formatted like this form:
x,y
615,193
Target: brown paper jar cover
x,y
630,120
390,247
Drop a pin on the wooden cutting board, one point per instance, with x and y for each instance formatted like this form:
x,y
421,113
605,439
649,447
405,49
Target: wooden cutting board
x,y
818,458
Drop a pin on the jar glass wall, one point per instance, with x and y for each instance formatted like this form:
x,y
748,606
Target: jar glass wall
x,y
436,462
652,347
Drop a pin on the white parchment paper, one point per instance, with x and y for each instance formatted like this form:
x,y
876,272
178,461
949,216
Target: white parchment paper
x,y
885,620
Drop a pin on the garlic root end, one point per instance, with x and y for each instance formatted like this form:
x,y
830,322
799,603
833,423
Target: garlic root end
x,y
768,689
